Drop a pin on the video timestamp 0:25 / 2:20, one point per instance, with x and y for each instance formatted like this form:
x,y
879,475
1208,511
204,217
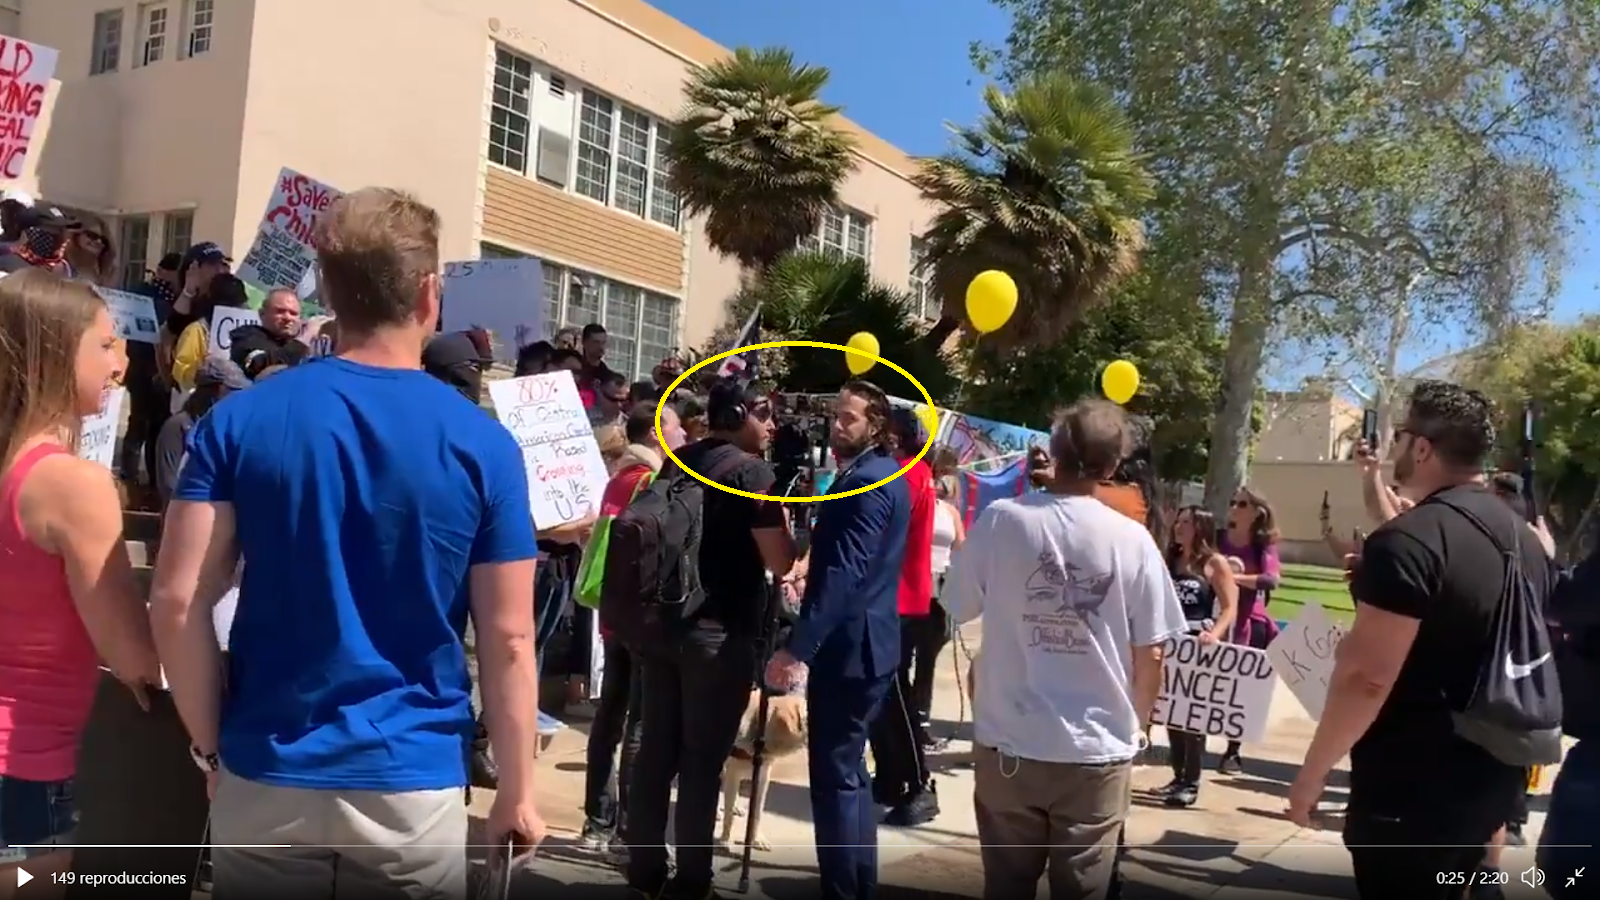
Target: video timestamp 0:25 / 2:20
x,y
1481,877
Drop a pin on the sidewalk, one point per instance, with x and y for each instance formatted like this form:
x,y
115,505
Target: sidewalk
x,y
1236,837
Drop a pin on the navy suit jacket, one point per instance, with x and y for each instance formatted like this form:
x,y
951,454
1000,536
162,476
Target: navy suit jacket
x,y
849,618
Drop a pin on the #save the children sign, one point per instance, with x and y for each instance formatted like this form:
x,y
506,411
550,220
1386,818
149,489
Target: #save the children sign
x,y
282,254
1219,690
566,474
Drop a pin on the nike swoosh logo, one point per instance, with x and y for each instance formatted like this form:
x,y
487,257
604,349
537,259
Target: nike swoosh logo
x,y
1515,671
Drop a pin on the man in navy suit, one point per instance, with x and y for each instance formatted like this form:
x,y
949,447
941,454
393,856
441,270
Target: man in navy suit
x,y
849,636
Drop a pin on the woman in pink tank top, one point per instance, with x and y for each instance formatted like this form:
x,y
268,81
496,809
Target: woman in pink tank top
x,y
67,595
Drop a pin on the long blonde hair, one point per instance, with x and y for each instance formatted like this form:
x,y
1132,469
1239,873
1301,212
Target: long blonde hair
x,y
43,317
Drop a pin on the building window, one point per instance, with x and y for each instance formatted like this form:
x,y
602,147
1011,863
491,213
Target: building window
x,y
595,120
202,14
633,162
152,33
842,232
920,282
107,42
509,111
134,241
177,232
641,325
663,202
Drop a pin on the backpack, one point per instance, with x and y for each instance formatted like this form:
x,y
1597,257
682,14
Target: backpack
x,y
1575,628
592,571
1514,711
651,588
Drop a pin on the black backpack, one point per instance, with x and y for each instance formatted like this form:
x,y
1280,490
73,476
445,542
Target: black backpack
x,y
652,578
1575,629
1515,708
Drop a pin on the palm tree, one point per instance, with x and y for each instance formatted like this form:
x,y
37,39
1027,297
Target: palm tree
x,y
756,152
822,297
1047,187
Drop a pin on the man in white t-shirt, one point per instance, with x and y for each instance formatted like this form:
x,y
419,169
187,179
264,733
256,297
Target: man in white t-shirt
x,y
1076,602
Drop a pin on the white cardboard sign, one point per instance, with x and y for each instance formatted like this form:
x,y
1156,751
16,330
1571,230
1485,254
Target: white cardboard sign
x,y
1302,654
566,474
98,439
133,315
1219,690
223,321
282,254
504,297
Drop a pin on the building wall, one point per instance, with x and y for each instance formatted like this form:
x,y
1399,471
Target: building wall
x,y
1305,427
398,92
1295,490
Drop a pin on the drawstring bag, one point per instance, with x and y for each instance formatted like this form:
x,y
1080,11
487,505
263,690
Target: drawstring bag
x,y
592,570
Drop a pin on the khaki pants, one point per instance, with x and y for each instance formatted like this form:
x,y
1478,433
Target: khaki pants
x,y
349,844
1038,818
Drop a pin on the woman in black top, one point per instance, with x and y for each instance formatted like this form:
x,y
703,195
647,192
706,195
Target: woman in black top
x,y
1210,599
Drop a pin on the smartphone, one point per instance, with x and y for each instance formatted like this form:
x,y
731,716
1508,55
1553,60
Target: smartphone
x,y
1369,429
503,861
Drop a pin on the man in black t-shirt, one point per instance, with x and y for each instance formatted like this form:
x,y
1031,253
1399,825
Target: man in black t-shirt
x,y
697,688
1423,799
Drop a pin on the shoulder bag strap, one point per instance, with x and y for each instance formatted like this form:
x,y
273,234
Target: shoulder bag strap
x,y
1514,551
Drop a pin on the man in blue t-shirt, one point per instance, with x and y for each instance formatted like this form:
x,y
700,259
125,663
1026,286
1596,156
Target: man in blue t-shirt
x,y
377,509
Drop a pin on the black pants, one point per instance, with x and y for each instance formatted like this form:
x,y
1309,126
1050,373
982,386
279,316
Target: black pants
x,y
582,623
1256,636
696,693
149,407
901,765
1393,856
616,721
1188,749
922,639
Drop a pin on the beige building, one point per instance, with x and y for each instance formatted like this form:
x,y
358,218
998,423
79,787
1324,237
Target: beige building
x,y
533,126
1313,425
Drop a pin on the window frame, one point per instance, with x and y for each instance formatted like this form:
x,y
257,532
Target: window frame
x,y
844,217
530,126
133,266
918,282
106,21
193,28
147,40
169,233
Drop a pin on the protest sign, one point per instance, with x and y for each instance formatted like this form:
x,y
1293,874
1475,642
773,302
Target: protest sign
x,y
1302,654
1219,690
97,441
282,254
224,320
25,72
133,316
504,297
565,472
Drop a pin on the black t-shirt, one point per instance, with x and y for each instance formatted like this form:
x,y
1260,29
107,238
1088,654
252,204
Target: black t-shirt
x,y
1433,565
731,569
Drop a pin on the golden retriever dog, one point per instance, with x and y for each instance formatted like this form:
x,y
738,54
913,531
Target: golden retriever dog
x,y
785,736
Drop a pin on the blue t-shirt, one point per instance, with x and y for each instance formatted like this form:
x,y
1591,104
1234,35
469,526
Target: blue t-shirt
x,y
363,496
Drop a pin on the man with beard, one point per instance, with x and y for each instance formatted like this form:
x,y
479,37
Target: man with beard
x,y
272,342
43,240
848,634
1428,586
148,403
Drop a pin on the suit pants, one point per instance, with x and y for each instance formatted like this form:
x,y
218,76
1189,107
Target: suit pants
x,y
843,814
895,735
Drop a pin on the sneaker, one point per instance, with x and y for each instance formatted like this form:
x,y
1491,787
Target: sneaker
x,y
1169,788
1183,797
550,725
594,837
1230,765
885,794
617,853
920,808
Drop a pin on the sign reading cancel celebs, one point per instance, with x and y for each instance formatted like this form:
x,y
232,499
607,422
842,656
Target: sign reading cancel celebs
x,y
566,474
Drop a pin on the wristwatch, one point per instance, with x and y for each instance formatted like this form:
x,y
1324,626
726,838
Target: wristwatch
x,y
208,762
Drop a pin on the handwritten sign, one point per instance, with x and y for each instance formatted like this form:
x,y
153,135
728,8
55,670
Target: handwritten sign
x,y
25,72
224,320
1303,656
565,472
98,439
133,316
1219,690
320,333
504,297
282,253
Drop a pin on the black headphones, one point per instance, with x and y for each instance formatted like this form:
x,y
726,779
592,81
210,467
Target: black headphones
x,y
727,418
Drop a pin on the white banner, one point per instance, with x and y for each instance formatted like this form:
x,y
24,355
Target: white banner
x,y
1219,690
25,72
566,474
1303,656
98,439
504,297
281,254
134,315
223,321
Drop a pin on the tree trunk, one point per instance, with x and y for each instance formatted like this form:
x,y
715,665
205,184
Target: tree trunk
x,y
1229,459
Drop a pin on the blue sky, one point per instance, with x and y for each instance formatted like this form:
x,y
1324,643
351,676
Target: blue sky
x,y
900,68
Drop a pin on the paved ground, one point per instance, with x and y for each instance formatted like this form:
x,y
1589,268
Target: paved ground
x,y
1236,838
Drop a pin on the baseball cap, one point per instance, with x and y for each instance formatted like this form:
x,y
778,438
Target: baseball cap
x,y
39,216
204,252
216,370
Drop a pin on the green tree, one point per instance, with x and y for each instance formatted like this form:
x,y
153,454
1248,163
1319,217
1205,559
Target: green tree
x,y
1172,338
1046,187
821,297
757,153
1292,138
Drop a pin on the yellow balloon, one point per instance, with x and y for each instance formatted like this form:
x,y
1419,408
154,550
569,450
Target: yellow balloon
x,y
929,417
991,299
1120,381
866,343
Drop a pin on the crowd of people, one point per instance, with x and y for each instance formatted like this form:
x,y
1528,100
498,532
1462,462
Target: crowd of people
x,y
393,600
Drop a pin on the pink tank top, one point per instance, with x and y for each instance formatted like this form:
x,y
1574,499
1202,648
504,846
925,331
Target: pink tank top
x,y
48,667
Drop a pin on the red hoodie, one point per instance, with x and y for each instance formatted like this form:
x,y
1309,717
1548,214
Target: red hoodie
x,y
916,572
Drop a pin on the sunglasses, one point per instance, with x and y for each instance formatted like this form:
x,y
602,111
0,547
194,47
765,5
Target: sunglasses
x,y
762,413
617,398
1242,504
94,236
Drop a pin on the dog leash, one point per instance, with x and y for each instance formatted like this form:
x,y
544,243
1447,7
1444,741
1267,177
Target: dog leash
x,y
961,680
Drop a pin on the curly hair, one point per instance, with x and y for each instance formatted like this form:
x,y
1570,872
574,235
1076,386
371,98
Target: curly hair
x,y
1458,421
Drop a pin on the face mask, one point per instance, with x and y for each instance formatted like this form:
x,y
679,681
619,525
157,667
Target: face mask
x,y
44,243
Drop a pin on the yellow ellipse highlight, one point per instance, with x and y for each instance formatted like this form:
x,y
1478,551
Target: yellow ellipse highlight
x,y
662,403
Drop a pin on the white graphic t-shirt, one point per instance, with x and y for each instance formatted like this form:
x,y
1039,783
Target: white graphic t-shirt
x,y
1066,587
